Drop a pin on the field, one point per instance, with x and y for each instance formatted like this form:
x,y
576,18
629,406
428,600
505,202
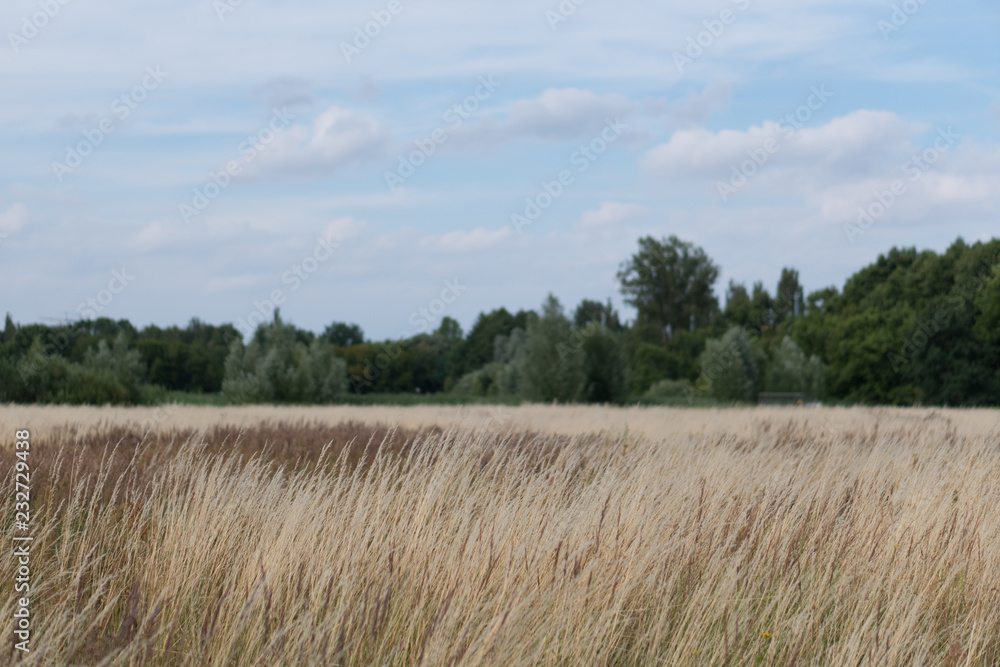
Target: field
x,y
533,535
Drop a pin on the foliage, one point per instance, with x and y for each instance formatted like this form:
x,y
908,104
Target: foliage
x,y
730,369
551,365
913,327
790,370
342,334
596,312
670,283
276,367
670,389
109,375
604,363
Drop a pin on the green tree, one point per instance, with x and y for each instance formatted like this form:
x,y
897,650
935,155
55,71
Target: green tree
x,y
858,347
670,283
945,361
761,307
450,331
342,334
278,366
730,369
124,363
790,370
603,314
987,326
477,349
788,301
551,367
737,304
605,365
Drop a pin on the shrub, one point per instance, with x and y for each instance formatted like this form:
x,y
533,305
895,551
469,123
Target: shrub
x,y
551,367
605,365
790,371
730,370
669,389
276,367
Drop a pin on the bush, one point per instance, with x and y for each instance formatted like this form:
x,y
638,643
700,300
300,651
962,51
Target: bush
x,y
108,375
276,367
730,369
604,364
121,363
482,382
790,371
551,367
670,389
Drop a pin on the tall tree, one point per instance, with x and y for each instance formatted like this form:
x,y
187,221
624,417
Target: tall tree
x,y
342,334
789,300
603,314
552,366
737,304
477,349
670,283
761,306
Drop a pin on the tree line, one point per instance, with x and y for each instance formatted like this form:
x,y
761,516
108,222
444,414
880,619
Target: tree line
x,y
914,327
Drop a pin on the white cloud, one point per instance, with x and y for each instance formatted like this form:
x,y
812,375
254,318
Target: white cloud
x,y
556,115
696,108
339,138
13,219
701,153
611,213
565,114
462,241
157,235
344,229
861,142
963,184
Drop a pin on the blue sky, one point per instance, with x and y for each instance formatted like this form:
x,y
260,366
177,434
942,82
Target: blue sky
x,y
653,133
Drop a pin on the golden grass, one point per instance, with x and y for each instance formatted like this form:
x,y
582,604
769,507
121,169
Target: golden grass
x,y
656,422
810,537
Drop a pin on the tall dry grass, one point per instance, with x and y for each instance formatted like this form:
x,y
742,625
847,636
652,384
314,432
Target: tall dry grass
x,y
776,540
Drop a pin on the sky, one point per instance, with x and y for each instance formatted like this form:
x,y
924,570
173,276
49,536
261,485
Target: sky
x,y
393,162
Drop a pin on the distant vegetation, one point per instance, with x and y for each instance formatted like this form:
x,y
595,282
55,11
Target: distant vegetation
x,y
912,328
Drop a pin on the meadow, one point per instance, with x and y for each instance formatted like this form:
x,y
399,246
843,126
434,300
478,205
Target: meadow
x,y
499,535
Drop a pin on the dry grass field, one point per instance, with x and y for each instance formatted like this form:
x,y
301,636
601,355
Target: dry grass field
x,y
522,536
